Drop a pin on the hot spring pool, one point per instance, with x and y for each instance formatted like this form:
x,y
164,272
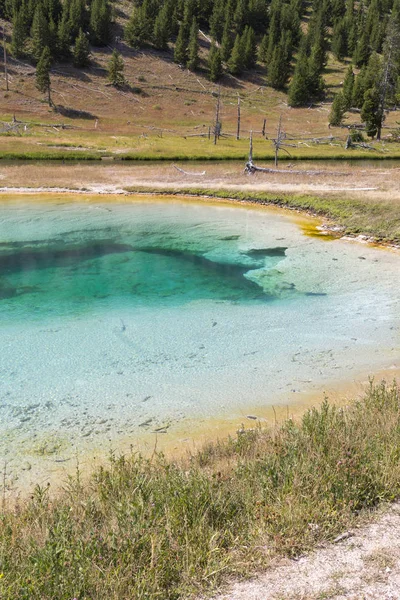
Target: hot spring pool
x,y
121,319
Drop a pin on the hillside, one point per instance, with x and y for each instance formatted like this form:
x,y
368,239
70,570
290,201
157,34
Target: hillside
x,y
165,110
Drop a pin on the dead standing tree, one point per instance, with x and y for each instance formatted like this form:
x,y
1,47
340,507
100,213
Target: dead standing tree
x,y
217,125
278,142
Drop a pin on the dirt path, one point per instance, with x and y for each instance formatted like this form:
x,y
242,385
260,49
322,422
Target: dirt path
x,y
365,565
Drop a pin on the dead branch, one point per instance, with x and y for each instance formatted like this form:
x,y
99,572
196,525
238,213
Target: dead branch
x,y
188,173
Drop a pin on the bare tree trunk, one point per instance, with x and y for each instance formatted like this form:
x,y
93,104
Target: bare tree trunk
x,y
263,128
238,120
278,141
217,125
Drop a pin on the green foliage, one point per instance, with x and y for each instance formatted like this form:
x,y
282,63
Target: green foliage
x,y
279,67
236,61
40,33
116,69
157,528
138,29
19,34
100,18
371,113
161,31
181,47
348,88
299,88
43,73
337,110
215,63
249,48
193,49
81,51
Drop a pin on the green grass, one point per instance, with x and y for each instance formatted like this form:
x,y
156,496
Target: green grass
x,y
154,528
379,219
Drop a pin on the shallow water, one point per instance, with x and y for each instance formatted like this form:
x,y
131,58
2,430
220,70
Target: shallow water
x,y
122,319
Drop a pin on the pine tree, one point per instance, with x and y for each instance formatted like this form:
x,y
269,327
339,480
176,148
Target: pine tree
x,y
236,62
215,63
18,34
299,92
279,67
217,20
81,57
362,51
337,110
371,114
359,89
100,21
316,85
39,33
239,18
138,29
181,46
348,87
116,69
43,83
227,41
339,39
77,16
249,47
161,31
263,49
64,37
193,60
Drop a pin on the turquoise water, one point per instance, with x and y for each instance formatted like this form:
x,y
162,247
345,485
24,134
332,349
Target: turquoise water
x,y
124,319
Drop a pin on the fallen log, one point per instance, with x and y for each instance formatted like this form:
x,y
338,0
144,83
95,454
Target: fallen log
x,y
191,174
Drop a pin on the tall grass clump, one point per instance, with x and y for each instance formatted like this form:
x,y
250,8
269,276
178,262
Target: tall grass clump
x,y
155,528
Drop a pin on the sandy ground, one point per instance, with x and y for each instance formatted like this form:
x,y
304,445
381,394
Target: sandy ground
x,y
369,181
363,564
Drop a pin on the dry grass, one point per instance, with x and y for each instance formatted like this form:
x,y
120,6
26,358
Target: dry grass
x,y
164,106
153,528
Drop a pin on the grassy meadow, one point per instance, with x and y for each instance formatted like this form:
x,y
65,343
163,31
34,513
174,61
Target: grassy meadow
x,y
156,528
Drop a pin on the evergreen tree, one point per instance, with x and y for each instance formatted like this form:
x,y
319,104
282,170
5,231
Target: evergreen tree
x,y
193,60
39,33
138,29
161,31
236,62
371,114
77,15
43,83
249,47
181,47
279,67
298,90
215,63
116,69
263,49
337,110
81,57
362,51
64,37
217,20
339,39
100,21
239,17
348,87
227,39
359,89
316,85
18,34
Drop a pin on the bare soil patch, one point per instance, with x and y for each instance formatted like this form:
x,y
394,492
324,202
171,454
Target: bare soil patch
x,y
364,565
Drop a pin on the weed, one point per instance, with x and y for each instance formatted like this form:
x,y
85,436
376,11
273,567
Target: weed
x,y
156,528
